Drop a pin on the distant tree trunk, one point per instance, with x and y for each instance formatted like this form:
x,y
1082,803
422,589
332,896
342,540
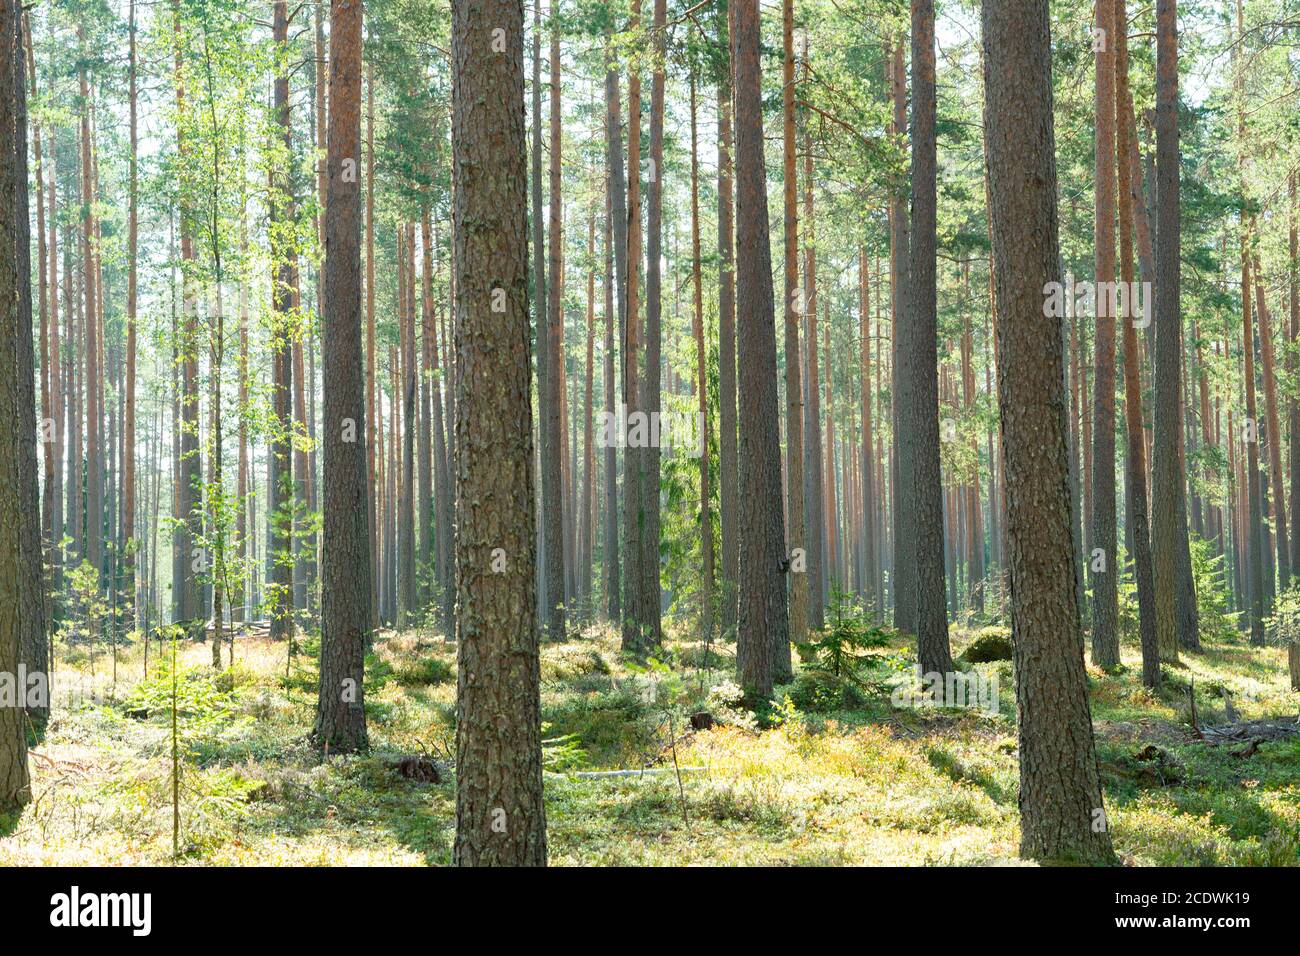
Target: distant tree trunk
x,y
128,437
541,311
443,492
15,784
1274,433
500,817
762,617
633,511
1135,460
424,444
32,615
280,503
1060,795
814,471
1256,546
870,569
374,435
727,461
51,393
583,557
797,539
652,396
615,234
1293,401
902,461
1175,621
551,346
94,420
921,344
701,387
1104,567
54,486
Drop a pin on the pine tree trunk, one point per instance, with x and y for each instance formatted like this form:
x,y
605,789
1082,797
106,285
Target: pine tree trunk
x,y
727,461
1135,459
550,344
762,608
279,506
1104,566
500,818
797,537
1060,795
615,235
15,784
651,600
902,461
921,345
345,585
1175,620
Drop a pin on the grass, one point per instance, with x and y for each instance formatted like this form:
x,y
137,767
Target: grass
x,y
839,778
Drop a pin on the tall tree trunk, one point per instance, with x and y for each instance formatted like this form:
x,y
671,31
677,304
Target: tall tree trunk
x,y
701,387
651,629
1135,459
762,617
1175,621
32,615
633,511
870,568
345,585
814,471
583,557
1060,795
500,817
902,461
727,461
1256,545
922,356
94,419
615,234
407,597
15,784
1274,433
374,435
1104,566
797,538
280,502
550,324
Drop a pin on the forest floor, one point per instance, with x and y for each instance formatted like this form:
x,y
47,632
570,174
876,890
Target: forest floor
x,y
837,774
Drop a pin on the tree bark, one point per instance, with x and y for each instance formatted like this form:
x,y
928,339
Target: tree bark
x,y
1175,621
500,817
922,422
762,615
1060,795
797,538
1103,567
345,583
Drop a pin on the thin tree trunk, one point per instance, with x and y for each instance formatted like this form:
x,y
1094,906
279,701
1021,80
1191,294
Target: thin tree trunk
x,y
1104,566
1135,459
798,540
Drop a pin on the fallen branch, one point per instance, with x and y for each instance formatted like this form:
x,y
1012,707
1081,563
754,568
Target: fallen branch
x,y
648,771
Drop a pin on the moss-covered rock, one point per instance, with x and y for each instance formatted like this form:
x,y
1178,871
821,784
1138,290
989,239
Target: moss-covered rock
x,y
992,644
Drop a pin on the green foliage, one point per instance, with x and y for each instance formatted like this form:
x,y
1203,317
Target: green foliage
x,y
1217,622
202,704
1283,625
841,649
